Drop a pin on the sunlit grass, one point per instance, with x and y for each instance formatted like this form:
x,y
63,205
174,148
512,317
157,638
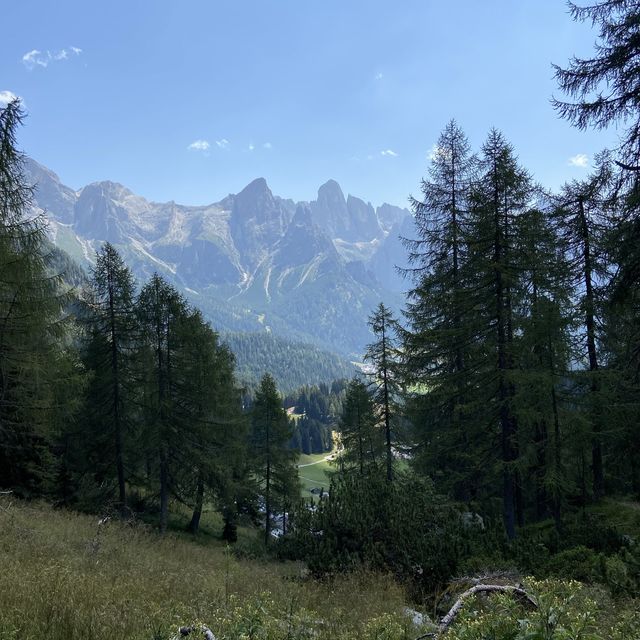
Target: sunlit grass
x,y
314,471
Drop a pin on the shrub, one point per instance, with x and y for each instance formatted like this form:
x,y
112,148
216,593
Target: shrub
x,y
401,527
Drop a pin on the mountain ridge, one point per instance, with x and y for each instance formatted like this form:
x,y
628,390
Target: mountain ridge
x,y
252,261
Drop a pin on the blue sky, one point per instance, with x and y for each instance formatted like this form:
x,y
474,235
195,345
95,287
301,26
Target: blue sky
x,y
192,100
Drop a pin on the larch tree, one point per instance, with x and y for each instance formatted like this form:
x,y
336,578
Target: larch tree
x,y
582,228
160,309
440,321
361,438
383,357
543,355
31,305
502,192
602,91
113,333
273,459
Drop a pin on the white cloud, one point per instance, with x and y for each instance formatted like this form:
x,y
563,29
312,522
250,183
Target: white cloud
x,y
579,160
6,97
379,76
36,58
389,152
199,145
251,146
222,144
267,145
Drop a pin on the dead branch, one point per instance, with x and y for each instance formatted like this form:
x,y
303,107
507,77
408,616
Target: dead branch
x,y
206,632
448,620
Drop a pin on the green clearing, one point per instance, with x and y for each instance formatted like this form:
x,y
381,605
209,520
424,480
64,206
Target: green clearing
x,y
316,474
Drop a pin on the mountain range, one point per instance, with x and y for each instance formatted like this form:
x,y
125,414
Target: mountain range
x,y
309,271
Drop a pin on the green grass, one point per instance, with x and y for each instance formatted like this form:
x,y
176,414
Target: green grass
x,y
315,475
64,577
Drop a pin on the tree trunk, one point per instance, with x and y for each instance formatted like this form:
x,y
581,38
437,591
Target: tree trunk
x,y
267,506
115,372
540,439
387,417
506,426
194,525
164,491
267,493
230,530
596,446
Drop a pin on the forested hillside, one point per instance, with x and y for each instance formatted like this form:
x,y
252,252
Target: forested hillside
x,y
292,364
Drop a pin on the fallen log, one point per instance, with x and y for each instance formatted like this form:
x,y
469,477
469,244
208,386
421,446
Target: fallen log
x,y
448,619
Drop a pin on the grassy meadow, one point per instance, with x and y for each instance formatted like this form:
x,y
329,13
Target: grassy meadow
x,y
65,577
314,471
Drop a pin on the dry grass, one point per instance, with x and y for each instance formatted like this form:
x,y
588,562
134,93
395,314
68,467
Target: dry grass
x,y
64,577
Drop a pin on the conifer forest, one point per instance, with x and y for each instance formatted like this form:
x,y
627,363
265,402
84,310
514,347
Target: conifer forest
x,y
472,471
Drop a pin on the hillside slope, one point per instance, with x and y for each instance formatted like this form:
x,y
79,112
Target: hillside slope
x,y
65,577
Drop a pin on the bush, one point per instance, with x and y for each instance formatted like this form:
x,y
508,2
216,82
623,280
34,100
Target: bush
x,y
579,563
401,527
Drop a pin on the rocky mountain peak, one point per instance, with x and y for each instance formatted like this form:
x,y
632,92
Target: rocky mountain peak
x,y
251,255
254,200
330,196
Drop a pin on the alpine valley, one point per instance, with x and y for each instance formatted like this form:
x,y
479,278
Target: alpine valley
x,y
254,262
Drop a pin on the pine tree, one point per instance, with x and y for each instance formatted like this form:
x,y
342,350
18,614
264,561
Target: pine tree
x,y
361,439
273,460
383,357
